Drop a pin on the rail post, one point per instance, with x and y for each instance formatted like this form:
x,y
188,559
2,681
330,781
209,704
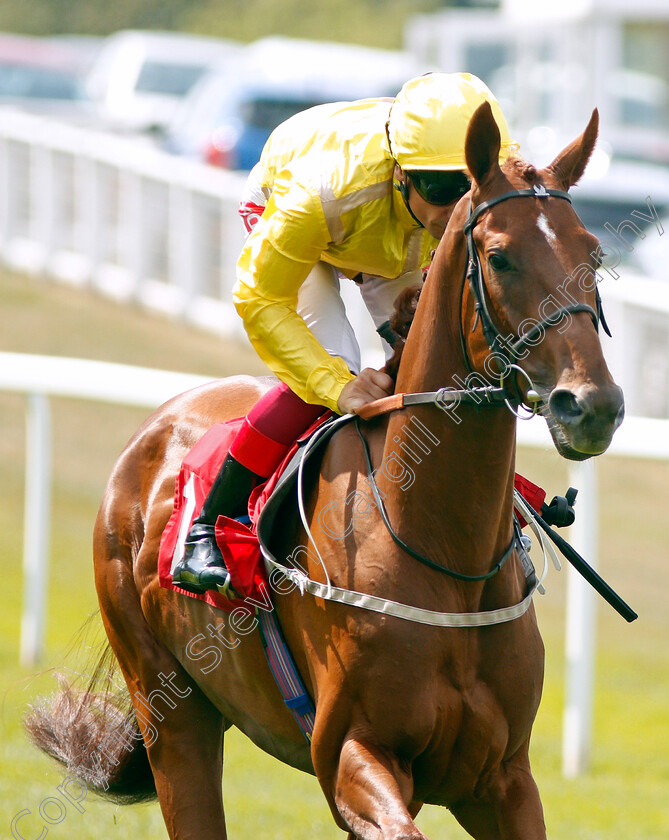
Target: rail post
x,y
36,528
580,627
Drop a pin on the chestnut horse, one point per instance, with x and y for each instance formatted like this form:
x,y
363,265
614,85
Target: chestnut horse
x,y
406,713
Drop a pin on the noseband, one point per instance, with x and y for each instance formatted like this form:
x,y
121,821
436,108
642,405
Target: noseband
x,y
500,347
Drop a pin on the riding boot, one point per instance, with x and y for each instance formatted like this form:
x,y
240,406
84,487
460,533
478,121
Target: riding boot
x,y
263,440
202,566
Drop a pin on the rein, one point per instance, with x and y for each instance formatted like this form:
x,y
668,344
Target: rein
x,y
515,539
407,612
444,398
510,354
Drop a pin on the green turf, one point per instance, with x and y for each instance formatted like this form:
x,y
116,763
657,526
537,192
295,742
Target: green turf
x,y
626,792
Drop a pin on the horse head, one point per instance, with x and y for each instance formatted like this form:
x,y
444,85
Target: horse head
x,y
531,311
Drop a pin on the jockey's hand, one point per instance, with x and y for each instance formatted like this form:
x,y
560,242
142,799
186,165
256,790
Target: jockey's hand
x,y
368,385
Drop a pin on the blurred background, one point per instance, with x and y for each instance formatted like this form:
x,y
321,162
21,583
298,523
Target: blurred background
x,y
126,132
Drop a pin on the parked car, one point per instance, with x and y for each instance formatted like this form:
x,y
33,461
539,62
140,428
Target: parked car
x,y
43,77
140,77
231,112
84,47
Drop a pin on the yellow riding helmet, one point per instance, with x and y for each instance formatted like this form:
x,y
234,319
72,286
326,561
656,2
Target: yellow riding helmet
x,y
428,121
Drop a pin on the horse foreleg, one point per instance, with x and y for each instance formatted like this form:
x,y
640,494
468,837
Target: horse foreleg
x,y
372,794
414,808
511,809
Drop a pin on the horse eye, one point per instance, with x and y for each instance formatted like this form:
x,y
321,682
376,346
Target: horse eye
x,y
498,262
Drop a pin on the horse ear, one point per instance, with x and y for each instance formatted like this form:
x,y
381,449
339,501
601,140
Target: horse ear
x,y
482,144
570,164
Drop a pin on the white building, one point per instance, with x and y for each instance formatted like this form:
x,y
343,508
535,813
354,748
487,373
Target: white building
x,y
550,63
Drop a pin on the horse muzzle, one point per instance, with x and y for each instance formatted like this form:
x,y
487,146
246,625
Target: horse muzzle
x,y
583,420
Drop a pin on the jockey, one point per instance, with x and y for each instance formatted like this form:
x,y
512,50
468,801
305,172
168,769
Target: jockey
x,y
359,190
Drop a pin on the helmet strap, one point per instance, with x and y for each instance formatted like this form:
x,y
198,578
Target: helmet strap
x,y
403,189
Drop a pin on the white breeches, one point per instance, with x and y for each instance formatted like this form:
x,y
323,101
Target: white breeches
x,y
320,304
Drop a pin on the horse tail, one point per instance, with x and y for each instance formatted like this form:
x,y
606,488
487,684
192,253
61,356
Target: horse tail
x,y
94,733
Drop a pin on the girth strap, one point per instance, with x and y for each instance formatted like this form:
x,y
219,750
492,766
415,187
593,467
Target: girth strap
x,y
284,670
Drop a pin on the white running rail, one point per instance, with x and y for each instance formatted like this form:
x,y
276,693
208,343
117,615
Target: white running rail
x,y
118,215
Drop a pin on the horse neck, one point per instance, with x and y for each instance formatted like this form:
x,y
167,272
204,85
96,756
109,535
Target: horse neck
x,y
463,460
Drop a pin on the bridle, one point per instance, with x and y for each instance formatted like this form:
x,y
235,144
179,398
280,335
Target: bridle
x,y
507,391
501,348
443,398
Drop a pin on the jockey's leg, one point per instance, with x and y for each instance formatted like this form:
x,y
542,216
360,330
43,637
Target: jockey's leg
x,y
268,432
272,426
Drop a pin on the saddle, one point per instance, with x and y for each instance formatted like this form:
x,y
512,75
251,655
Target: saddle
x,y
238,539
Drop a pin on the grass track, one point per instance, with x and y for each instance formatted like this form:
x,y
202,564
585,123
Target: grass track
x,y
624,796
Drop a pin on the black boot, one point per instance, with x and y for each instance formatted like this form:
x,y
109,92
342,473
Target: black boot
x,y
203,566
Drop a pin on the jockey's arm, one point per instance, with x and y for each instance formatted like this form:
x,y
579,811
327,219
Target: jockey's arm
x,y
368,386
275,262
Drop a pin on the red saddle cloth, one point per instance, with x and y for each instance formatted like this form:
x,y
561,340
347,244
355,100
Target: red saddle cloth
x,y
237,541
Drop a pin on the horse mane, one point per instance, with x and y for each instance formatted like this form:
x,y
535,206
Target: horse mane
x,y
527,171
400,323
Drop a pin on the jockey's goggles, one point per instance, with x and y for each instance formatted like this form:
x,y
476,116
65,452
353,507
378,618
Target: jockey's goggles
x,y
439,187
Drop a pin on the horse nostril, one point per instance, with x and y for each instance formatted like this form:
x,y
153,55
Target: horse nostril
x,y
565,407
